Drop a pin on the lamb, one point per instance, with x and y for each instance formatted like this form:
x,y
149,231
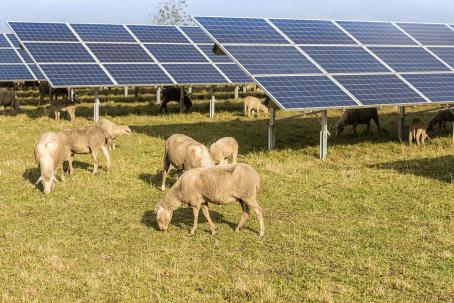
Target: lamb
x,y
443,116
355,117
417,131
113,131
254,104
89,139
62,106
222,184
184,153
51,151
224,148
8,98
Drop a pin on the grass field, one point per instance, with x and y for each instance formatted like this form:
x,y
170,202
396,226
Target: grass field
x,y
372,223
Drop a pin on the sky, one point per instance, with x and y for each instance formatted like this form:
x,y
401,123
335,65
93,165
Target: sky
x,y
138,11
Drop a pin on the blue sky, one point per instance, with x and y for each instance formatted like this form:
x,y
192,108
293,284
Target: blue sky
x,y
137,11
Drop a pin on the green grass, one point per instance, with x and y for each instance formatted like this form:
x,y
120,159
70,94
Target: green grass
x,y
372,223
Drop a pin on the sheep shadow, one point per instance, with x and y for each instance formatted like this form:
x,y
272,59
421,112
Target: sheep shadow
x,y
155,179
31,175
439,169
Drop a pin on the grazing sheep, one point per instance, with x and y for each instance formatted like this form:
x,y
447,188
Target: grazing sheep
x,y
8,98
46,90
89,139
355,117
254,104
224,148
222,184
51,151
57,107
417,131
174,94
113,131
443,116
184,153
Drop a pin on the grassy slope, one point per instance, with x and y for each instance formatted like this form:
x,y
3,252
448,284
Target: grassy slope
x,y
373,223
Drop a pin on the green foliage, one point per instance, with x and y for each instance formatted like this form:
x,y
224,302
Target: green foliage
x,y
171,12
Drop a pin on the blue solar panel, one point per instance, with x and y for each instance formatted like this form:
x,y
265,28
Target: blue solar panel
x,y
195,73
430,34
344,59
241,30
13,40
379,89
138,74
29,31
235,73
297,92
409,59
208,50
196,34
35,70
438,88
376,33
119,52
25,55
15,72
3,41
9,56
175,53
76,75
103,33
312,32
155,33
59,52
272,59
444,53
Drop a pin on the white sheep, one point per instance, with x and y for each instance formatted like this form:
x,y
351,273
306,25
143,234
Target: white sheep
x,y
113,131
223,184
254,104
224,148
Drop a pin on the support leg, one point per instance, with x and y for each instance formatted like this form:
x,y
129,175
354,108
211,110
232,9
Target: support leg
x,y
400,133
158,96
244,89
126,91
96,107
324,136
212,102
237,92
182,99
271,130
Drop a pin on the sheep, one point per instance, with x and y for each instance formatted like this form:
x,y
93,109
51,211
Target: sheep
x,y
53,93
254,104
8,98
57,107
222,184
51,150
224,148
174,94
355,117
184,153
89,139
417,131
443,116
113,131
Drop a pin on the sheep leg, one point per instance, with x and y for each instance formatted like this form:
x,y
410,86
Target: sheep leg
x,y
410,137
70,164
165,172
244,216
234,156
105,151
95,161
207,216
418,137
195,211
258,211
62,173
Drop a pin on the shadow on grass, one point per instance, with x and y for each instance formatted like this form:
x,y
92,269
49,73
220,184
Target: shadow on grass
x,y
31,175
440,169
155,179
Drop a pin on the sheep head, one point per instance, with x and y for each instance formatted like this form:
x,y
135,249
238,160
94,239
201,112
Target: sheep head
x,y
163,216
47,181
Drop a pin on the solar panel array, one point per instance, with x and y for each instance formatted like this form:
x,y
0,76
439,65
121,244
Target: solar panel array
x,y
84,55
15,64
307,64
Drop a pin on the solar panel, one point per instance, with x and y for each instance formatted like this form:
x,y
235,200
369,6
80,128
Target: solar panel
x,y
196,34
429,34
344,59
208,50
259,60
59,52
44,32
15,72
195,73
241,30
294,92
119,52
136,74
379,89
25,55
234,73
438,88
13,40
376,33
312,31
9,56
409,59
444,53
4,42
76,75
157,34
175,53
38,74
102,33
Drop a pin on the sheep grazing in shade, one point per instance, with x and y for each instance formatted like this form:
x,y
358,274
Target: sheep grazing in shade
x,y
253,104
184,153
417,131
113,131
355,117
170,94
59,106
224,148
89,139
443,116
223,184
51,151
8,98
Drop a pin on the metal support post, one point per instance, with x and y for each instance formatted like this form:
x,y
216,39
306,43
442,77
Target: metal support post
x,y
237,92
182,99
126,91
212,102
401,124
158,96
244,89
324,136
96,107
271,129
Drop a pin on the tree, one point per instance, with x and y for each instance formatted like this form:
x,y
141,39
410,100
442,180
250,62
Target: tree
x,y
171,12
